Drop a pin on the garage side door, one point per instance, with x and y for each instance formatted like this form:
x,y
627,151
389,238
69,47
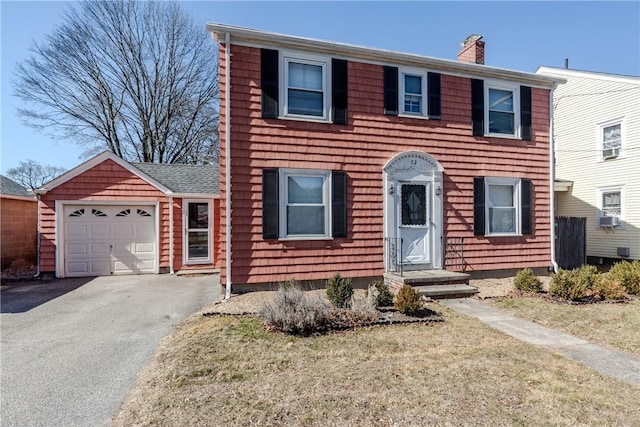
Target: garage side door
x,y
106,240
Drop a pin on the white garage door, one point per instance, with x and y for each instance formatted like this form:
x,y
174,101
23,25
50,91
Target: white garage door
x,y
106,240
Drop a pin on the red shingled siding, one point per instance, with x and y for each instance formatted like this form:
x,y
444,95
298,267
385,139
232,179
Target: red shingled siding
x,y
361,148
111,183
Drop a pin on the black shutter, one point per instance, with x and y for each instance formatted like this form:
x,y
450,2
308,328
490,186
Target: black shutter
x,y
269,83
391,91
434,95
526,193
478,207
339,91
525,112
477,106
339,203
270,204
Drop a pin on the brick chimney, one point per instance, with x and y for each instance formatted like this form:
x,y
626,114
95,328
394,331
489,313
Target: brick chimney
x,y
472,50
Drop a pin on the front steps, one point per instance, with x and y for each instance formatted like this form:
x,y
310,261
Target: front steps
x,y
435,284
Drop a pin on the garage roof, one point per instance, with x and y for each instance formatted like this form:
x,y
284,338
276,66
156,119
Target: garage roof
x,y
193,179
179,180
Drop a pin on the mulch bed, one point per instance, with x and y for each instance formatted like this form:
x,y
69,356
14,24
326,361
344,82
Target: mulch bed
x,y
346,319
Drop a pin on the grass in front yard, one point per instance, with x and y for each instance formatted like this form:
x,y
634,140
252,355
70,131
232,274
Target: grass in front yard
x,y
615,325
229,371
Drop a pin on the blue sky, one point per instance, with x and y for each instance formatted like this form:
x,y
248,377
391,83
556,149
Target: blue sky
x,y
595,36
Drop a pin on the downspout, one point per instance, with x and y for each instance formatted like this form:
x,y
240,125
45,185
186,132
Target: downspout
x,y
227,130
171,235
552,166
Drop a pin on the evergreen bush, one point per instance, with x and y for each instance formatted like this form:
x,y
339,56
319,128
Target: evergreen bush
x,y
408,300
628,275
526,281
339,291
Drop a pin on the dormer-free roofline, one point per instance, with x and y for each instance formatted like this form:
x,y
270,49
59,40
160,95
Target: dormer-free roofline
x,y
252,37
94,161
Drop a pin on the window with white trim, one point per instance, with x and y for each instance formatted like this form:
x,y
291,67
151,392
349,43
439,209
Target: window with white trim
x,y
610,205
305,87
306,203
197,231
610,140
502,110
413,87
502,206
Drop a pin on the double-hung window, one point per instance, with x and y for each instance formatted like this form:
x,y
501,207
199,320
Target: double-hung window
x,y
302,86
305,91
610,136
610,206
502,206
304,204
305,196
502,111
412,94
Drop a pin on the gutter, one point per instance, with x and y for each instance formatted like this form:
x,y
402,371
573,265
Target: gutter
x,y
259,38
552,166
227,166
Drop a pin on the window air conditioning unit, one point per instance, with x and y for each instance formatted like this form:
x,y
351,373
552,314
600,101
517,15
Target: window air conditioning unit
x,y
609,221
610,153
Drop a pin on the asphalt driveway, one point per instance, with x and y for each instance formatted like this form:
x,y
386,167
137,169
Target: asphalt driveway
x,y
71,349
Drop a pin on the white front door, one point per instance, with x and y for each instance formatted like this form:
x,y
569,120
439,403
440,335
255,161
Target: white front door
x,y
414,223
413,218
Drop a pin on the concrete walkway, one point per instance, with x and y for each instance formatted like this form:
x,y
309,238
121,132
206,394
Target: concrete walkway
x,y
610,362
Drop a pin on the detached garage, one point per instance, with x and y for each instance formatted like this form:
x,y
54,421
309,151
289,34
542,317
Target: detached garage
x,y
109,217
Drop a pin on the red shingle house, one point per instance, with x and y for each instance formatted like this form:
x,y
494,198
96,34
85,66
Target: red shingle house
x,y
110,217
367,162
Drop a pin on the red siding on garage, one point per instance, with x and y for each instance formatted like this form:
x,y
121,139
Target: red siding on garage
x,y
362,148
106,182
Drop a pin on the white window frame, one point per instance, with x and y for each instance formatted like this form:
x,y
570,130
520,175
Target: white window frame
x,y
417,72
515,183
283,176
187,230
600,139
515,90
287,57
612,189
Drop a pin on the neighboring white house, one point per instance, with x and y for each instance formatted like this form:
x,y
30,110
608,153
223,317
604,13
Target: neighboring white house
x,y
597,137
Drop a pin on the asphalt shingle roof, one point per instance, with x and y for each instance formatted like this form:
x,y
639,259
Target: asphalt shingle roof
x,y
8,186
191,179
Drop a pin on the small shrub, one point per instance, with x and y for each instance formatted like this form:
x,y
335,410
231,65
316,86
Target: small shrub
x,y
628,275
408,300
339,291
608,288
383,296
292,312
574,284
526,281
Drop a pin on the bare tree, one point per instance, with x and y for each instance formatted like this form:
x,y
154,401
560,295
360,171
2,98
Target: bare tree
x,y
138,78
32,174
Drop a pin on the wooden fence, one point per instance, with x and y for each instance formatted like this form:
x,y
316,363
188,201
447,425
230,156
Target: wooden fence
x,y
571,241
